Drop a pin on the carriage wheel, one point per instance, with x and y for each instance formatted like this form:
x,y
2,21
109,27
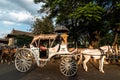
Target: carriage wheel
x,y
68,67
23,60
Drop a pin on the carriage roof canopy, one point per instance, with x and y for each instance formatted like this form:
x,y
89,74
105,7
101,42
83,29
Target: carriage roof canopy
x,y
61,29
44,37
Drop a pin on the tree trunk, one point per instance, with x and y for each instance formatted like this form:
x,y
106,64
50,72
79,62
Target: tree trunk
x,y
95,39
115,38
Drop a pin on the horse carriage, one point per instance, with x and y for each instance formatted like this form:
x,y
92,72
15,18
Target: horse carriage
x,y
54,46
45,47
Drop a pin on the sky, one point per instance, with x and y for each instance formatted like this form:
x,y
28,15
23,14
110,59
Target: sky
x,y
18,15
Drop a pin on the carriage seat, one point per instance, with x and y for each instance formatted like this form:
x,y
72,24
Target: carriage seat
x,y
54,49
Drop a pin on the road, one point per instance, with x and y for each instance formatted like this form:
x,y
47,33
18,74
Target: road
x,y
51,72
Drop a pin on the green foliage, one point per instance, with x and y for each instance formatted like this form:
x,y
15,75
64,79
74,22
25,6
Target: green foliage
x,y
118,6
88,12
107,39
93,17
44,26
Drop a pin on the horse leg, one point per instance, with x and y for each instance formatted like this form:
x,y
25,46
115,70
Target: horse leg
x,y
8,59
87,57
101,62
1,57
80,60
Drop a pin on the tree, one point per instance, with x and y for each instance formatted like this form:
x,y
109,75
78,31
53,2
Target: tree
x,y
111,18
43,26
93,17
90,16
115,22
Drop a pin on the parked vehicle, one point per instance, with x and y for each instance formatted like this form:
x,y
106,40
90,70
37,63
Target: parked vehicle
x,y
54,46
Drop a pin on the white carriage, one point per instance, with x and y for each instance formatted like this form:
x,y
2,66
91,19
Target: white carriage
x,y
25,56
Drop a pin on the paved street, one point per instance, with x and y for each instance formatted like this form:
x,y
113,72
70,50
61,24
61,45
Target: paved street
x,y
51,72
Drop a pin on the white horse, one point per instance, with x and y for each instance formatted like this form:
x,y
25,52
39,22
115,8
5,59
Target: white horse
x,y
97,54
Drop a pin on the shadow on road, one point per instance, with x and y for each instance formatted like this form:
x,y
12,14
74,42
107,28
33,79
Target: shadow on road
x,y
9,72
73,77
12,75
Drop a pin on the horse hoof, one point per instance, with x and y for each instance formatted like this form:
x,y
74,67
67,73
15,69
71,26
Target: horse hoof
x,y
106,62
102,71
8,63
1,61
86,70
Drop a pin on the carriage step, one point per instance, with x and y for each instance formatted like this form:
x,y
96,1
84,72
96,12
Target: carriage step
x,y
42,62
43,59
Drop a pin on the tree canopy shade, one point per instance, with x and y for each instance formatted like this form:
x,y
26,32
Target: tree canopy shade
x,y
93,18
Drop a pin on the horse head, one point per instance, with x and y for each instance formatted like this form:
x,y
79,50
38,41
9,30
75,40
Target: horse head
x,y
107,48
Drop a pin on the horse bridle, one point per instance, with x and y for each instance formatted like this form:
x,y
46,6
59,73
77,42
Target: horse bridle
x,y
113,51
